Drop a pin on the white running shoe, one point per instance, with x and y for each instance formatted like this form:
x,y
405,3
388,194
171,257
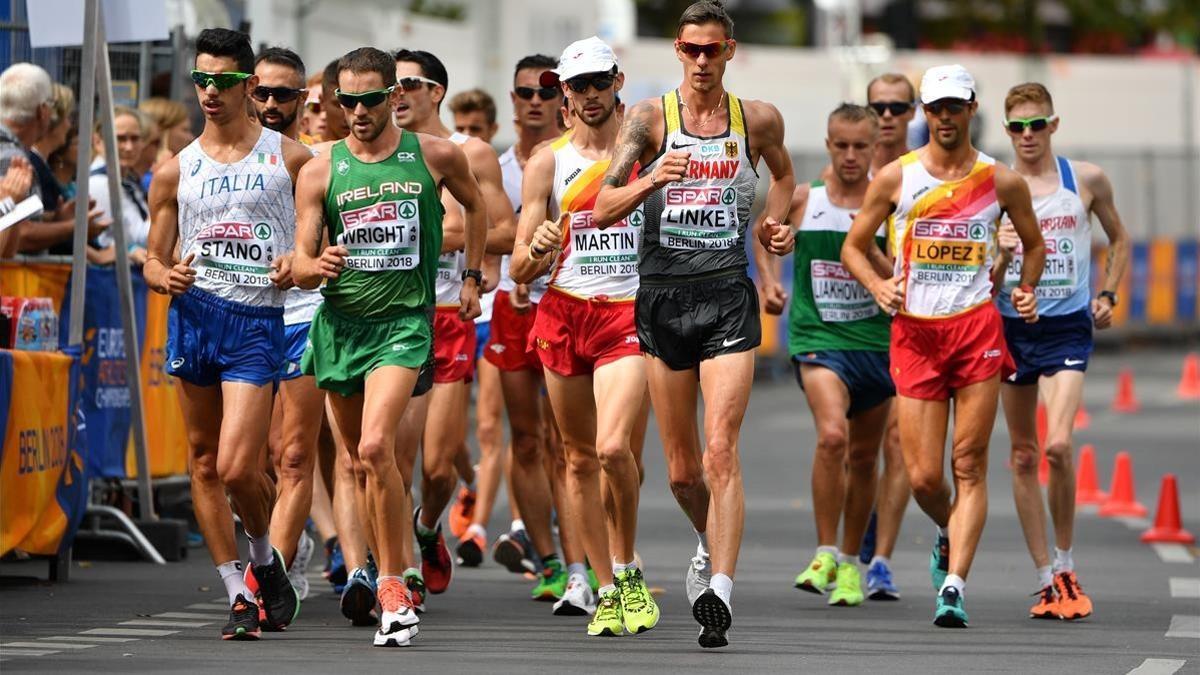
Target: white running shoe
x,y
298,572
577,600
398,625
699,575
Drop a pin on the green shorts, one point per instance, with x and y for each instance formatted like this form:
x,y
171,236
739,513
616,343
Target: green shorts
x,y
343,350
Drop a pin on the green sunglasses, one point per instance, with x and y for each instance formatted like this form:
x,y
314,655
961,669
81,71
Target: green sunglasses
x,y
221,81
369,99
1035,123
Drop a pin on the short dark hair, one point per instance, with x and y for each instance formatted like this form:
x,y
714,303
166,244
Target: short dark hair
x,y
706,11
281,56
538,61
228,43
329,76
368,60
431,66
474,100
853,113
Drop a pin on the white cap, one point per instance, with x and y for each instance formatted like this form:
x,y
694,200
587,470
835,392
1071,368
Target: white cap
x,y
952,81
590,55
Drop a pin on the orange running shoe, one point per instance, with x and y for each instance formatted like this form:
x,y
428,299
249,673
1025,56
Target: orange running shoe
x,y
1047,604
462,511
1073,603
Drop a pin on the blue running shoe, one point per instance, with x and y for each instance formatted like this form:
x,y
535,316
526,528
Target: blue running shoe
x,y
950,612
867,550
939,562
335,565
879,583
358,598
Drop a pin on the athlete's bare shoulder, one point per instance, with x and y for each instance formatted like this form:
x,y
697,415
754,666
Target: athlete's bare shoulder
x,y
541,162
762,117
1094,181
442,155
315,171
165,183
295,155
321,148
479,151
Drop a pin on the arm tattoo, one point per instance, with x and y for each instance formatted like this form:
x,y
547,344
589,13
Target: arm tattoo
x,y
1108,259
634,133
320,234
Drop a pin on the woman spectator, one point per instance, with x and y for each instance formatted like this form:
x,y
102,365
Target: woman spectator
x,y
131,128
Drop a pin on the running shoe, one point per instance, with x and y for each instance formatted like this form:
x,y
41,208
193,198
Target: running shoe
x,y
298,572
939,562
607,620
416,589
514,552
279,601
950,612
1073,603
462,512
577,599
243,621
867,549
436,565
398,622
1047,604
820,575
714,617
552,583
879,582
640,612
335,565
698,576
358,598
470,551
849,587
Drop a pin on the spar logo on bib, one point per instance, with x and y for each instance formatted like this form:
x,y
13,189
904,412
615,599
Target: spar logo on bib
x,y
262,231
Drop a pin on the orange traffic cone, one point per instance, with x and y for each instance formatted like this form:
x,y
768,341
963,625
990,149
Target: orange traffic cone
x,y
1121,500
1043,463
1189,382
1082,419
1126,401
1087,485
1168,526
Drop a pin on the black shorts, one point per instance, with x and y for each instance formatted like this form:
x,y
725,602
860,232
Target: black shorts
x,y
685,322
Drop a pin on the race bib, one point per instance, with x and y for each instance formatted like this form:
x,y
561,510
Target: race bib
x,y
612,252
1058,276
382,237
239,254
448,270
838,295
699,218
947,252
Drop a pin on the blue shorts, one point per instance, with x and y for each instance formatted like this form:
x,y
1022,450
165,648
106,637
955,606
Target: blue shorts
x,y
483,331
865,374
212,340
1052,344
295,339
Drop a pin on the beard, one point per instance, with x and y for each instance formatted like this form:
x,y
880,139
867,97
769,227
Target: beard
x,y
599,119
282,124
374,131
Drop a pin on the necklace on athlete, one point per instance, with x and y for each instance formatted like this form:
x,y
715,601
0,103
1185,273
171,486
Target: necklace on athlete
x,y
700,126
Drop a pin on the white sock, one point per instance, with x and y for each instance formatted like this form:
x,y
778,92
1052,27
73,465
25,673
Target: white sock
x,y
1063,561
882,559
606,589
476,529
702,538
425,531
577,568
517,525
943,531
233,578
260,549
722,585
847,559
954,581
831,550
1045,576
619,568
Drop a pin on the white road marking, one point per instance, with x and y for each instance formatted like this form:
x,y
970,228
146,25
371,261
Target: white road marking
x,y
5,651
1182,587
46,645
1134,523
1174,553
209,607
1184,626
1158,667
165,624
129,632
87,638
189,615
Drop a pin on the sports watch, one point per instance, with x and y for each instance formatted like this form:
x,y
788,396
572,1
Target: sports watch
x,y
1112,297
477,275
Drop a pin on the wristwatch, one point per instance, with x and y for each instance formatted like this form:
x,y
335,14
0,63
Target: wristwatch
x,y
477,275
1112,297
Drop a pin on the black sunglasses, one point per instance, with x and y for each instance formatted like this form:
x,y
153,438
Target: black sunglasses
x,y
953,106
600,81
544,93
281,94
897,108
369,99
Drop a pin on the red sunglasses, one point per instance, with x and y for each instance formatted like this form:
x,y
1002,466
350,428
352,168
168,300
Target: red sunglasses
x,y
709,49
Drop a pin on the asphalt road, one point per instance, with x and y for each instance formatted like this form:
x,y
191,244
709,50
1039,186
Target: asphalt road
x,y
1147,600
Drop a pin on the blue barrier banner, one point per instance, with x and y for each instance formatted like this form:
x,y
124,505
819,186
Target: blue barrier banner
x,y
1139,273
1187,279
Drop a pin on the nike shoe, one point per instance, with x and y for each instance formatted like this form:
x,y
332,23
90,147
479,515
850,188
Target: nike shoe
x,y
607,620
640,612
698,576
950,612
577,599
398,620
335,565
714,617
436,565
1047,604
939,562
358,598
243,621
462,512
867,548
849,587
820,575
470,551
514,552
879,583
552,583
1073,603
298,572
279,601
416,589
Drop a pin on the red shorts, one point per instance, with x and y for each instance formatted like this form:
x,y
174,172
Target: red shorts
x,y
453,347
573,336
930,358
507,345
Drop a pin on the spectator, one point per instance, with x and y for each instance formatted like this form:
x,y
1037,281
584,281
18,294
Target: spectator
x,y
61,120
130,127
172,119
312,122
474,114
64,161
14,186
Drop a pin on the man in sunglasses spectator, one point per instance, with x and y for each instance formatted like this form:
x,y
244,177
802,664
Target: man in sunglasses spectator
x,y
227,201
942,203
1052,355
697,310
